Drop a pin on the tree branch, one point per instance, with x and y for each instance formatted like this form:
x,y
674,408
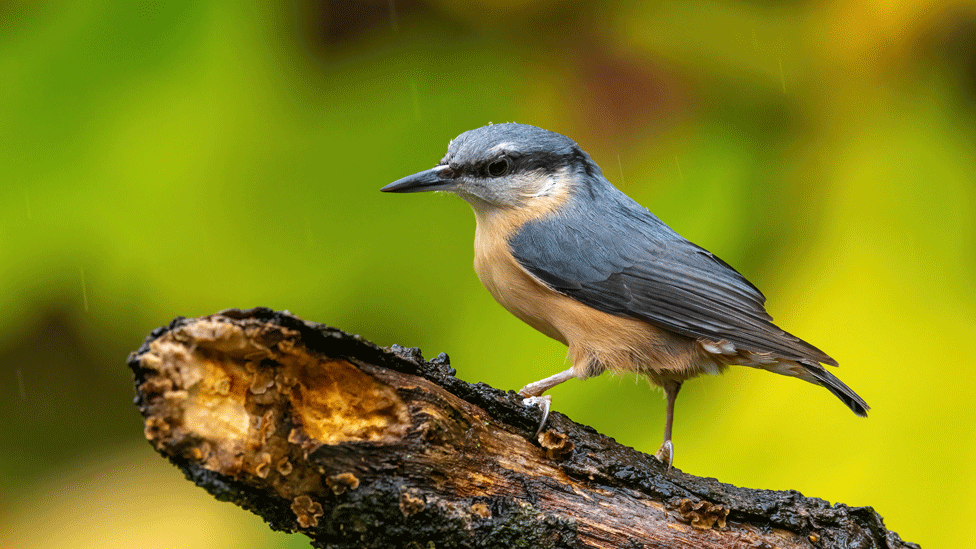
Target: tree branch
x,y
354,445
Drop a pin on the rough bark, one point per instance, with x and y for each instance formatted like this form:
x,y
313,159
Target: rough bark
x,y
354,445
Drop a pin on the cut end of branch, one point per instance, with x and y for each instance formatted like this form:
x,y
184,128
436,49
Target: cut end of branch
x,y
251,400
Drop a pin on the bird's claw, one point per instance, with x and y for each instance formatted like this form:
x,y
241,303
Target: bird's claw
x,y
665,453
543,402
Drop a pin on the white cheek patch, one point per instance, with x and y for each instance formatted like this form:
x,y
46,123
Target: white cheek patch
x,y
549,184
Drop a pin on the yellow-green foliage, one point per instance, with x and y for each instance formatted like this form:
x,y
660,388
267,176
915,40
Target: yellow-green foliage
x,y
176,158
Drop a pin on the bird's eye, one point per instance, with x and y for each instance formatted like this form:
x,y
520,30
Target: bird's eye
x,y
498,167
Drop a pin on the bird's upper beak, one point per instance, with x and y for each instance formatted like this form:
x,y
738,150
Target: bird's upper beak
x,y
438,178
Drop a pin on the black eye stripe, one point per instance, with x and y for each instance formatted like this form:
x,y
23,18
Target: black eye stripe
x,y
511,162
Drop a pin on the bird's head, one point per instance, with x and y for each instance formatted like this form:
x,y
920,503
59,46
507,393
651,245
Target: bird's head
x,y
503,166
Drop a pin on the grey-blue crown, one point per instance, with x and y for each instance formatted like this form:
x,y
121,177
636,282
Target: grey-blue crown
x,y
529,146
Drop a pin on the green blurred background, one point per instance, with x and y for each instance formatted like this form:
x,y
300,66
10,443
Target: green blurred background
x,y
165,159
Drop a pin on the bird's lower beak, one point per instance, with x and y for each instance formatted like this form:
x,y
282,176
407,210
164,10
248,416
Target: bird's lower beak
x,y
439,178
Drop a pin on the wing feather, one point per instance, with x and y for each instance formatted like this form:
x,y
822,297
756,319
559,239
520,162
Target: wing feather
x,y
617,257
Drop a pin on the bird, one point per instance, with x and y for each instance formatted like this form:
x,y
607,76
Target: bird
x,y
565,251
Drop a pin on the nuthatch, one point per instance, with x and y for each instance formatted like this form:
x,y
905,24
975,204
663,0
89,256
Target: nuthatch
x,y
572,256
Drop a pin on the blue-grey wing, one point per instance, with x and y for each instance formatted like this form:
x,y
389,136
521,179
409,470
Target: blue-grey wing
x,y
617,257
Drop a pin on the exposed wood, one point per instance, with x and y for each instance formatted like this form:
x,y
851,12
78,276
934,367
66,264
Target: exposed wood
x,y
354,445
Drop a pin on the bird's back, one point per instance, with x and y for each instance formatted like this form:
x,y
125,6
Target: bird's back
x,y
609,253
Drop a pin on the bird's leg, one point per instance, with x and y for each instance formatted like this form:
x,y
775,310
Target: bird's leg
x,y
533,394
537,388
666,452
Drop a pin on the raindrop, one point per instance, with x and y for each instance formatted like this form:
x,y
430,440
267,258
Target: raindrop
x,y
416,99
620,164
782,77
84,289
20,384
393,18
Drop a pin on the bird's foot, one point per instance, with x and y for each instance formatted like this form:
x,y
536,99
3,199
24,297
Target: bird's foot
x,y
543,402
665,453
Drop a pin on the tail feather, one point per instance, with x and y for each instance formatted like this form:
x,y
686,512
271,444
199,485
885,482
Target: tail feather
x,y
836,386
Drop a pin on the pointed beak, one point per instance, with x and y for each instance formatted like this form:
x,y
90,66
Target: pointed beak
x,y
439,178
